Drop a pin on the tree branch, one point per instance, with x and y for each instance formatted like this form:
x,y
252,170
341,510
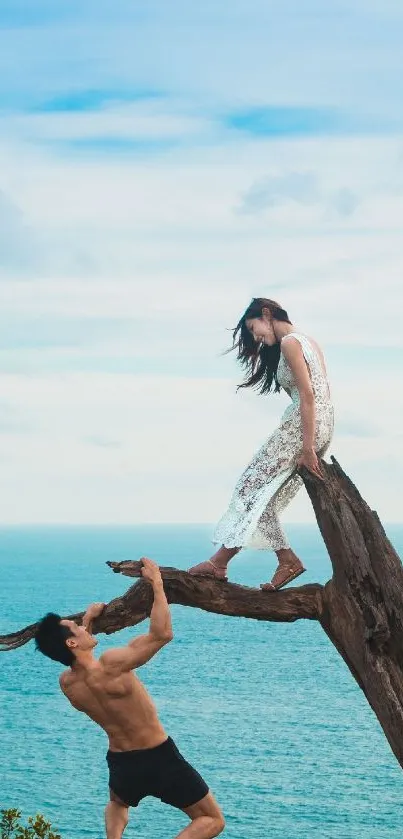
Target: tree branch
x,y
187,590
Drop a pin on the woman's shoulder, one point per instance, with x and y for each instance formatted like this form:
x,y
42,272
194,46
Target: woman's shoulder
x,y
302,338
308,345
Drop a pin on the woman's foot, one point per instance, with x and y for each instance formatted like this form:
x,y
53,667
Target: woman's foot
x,y
216,566
287,570
208,569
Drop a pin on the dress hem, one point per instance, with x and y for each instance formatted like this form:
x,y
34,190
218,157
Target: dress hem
x,y
252,546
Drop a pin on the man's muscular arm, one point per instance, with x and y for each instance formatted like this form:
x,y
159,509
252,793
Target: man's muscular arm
x,y
141,649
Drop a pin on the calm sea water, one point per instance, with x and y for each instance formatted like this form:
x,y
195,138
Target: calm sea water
x,y
268,713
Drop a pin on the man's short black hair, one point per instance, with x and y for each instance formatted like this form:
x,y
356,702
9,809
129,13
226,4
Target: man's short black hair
x,y
51,637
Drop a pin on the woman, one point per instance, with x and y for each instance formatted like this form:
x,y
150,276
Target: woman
x,y
274,353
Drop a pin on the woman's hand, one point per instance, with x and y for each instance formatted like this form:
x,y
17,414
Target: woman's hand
x,y
309,459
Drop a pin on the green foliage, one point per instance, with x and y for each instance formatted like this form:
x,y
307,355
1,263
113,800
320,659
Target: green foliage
x,y
37,827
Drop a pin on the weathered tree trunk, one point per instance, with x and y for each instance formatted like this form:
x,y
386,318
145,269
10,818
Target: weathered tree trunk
x,y
360,608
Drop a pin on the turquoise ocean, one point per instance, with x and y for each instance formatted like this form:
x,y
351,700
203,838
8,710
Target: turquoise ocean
x,y
268,713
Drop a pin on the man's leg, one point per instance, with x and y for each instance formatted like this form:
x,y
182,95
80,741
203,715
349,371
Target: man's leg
x,y
116,817
207,820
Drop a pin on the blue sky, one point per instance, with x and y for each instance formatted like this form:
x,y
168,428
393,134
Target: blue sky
x,y
162,162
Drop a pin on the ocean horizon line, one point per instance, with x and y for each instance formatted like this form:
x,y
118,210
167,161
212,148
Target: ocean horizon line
x,y
11,525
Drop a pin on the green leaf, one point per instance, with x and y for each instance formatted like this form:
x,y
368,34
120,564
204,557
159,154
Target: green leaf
x,y
37,827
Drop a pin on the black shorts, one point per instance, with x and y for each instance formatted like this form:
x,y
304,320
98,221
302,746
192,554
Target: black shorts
x,y
161,772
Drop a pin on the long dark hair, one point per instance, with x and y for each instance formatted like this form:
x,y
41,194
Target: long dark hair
x,y
259,361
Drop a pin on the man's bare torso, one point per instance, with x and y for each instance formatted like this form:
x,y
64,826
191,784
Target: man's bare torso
x,y
119,703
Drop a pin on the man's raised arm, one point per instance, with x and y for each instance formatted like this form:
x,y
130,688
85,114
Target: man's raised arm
x,y
144,647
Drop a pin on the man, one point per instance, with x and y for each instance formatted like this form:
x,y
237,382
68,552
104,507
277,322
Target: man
x,y
142,759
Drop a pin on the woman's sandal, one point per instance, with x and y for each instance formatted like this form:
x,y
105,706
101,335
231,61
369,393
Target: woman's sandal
x,y
284,582
213,574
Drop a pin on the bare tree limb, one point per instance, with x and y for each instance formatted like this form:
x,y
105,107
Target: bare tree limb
x,y
182,588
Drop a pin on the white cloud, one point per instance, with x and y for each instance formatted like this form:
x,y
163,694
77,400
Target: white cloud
x,y
17,244
132,448
299,187
137,121
147,243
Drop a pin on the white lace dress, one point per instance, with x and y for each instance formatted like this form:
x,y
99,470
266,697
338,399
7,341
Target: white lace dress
x,y
270,481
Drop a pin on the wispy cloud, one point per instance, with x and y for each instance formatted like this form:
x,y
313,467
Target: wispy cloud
x,y
14,421
17,241
141,122
271,121
300,187
76,101
103,442
359,427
